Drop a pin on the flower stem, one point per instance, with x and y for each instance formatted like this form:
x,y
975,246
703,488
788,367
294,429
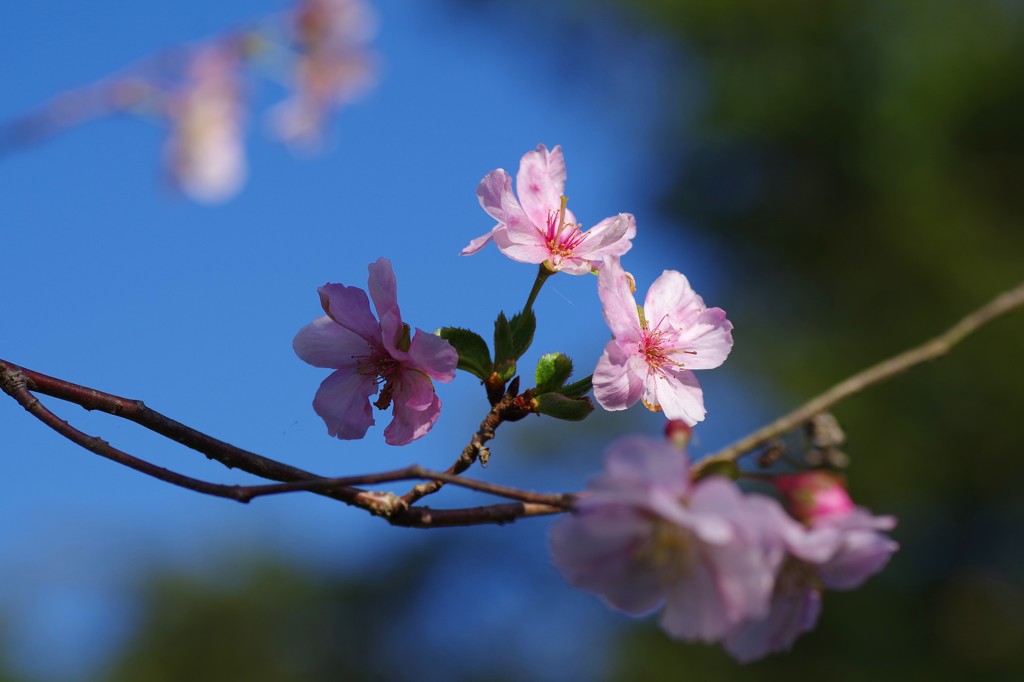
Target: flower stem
x,y
542,276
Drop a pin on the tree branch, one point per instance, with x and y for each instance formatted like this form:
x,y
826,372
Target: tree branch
x,y
929,350
20,382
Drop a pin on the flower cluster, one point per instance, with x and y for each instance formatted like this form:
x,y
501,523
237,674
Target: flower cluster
x,y
721,565
724,566
655,347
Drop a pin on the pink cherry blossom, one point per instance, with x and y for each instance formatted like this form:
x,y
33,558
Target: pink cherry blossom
x,y
366,354
644,536
538,227
333,67
655,348
205,152
837,551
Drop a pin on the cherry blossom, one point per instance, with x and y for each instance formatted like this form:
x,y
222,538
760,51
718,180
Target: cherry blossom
x,y
538,227
655,348
644,536
367,354
839,550
205,152
332,69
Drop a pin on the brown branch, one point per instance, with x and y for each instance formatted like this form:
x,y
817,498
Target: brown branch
x,y
929,350
560,500
20,382
508,408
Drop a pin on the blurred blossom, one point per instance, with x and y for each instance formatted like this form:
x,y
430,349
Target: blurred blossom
x,y
655,348
643,536
838,551
205,153
367,353
332,66
538,227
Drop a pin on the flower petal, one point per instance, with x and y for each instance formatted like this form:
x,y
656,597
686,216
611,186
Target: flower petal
x,y
414,409
342,402
707,342
794,610
541,182
433,356
493,191
618,378
530,247
672,299
349,307
617,302
594,550
678,394
325,343
610,237
642,462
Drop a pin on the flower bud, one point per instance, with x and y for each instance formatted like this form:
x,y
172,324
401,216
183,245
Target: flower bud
x,y
812,496
678,433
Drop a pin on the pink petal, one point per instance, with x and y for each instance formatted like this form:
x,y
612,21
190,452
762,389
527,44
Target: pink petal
x,y
594,550
541,182
694,608
349,307
642,462
433,356
325,343
617,302
705,344
610,237
618,378
480,242
493,191
794,610
383,287
679,396
531,248
672,298
410,423
342,402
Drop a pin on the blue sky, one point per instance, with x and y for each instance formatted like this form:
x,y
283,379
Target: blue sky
x,y
113,281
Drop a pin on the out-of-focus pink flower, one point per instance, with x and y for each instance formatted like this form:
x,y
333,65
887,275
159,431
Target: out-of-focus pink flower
x,y
813,495
838,551
643,536
538,227
332,69
366,353
655,348
205,153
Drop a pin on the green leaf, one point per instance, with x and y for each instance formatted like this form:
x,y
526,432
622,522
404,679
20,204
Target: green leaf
x,y
553,370
577,389
523,326
502,340
474,356
504,357
561,407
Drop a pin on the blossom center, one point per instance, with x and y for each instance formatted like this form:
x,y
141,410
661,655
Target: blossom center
x,y
561,236
667,551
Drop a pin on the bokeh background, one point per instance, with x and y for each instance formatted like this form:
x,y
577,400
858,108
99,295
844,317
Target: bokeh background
x,y
843,178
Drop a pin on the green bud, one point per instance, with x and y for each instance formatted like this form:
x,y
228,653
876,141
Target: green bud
x,y
560,407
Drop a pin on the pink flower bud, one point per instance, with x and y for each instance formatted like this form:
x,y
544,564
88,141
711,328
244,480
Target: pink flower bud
x,y
815,495
678,433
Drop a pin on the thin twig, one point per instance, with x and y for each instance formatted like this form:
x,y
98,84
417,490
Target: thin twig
x,y
506,409
929,350
20,382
